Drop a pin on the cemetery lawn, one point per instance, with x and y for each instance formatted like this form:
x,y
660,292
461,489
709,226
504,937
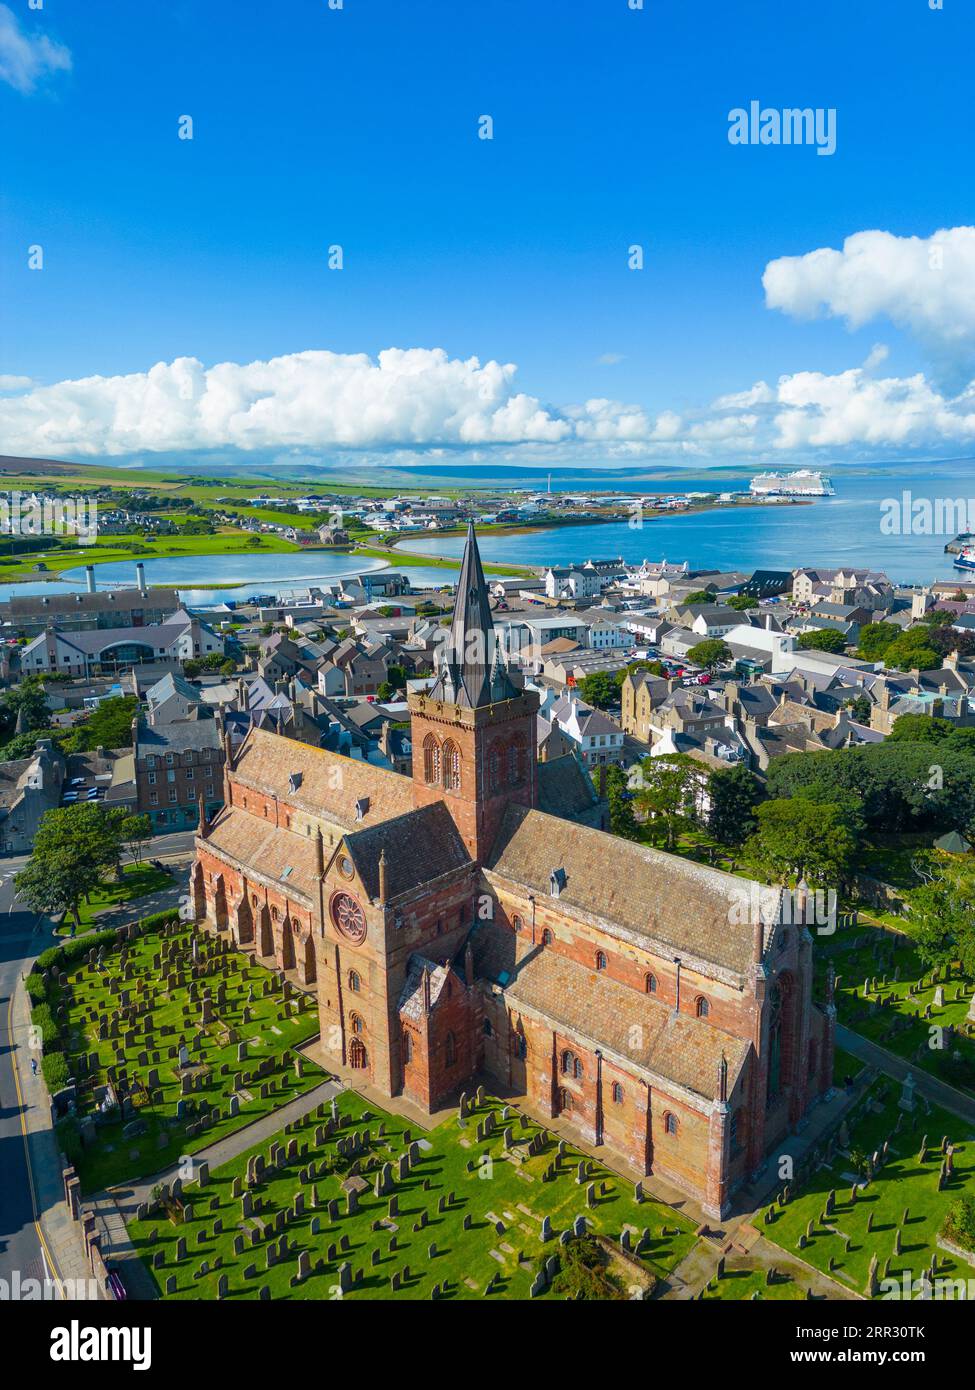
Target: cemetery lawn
x,y
95,995
506,1194
739,1284
889,1023
138,880
902,1184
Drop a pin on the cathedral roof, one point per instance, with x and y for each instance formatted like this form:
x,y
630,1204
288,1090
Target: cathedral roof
x,y
642,892
678,1048
419,847
471,671
330,786
410,1000
565,787
281,856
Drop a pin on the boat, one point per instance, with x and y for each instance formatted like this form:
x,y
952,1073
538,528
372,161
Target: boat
x,y
804,482
965,559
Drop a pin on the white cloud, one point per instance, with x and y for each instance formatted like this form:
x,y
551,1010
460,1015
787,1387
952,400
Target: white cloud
x,y
759,394
610,359
877,355
851,408
15,383
27,58
925,285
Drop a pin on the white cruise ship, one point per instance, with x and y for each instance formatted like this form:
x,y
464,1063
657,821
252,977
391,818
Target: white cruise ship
x,y
803,483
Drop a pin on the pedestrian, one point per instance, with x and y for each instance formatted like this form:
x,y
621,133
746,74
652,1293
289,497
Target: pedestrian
x,y
33,1066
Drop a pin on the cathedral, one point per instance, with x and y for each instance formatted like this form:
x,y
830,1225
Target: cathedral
x,y
477,921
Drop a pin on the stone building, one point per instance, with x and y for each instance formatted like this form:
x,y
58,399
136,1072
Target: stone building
x,y
454,930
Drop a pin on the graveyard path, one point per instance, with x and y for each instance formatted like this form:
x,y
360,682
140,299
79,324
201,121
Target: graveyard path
x,y
127,1196
938,1092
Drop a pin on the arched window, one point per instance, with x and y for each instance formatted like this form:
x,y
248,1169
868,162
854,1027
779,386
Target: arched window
x,y
494,766
516,762
451,767
568,1063
702,1007
650,984
431,761
357,1053
547,937
521,1046
450,1049
517,922
274,914
617,1093
565,1099
600,960
355,1023
355,984
670,1123
407,1046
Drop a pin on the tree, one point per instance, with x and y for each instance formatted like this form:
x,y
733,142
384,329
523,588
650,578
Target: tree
x,y
384,691
599,689
254,541
920,728
621,818
824,639
798,837
135,832
108,726
74,848
396,675
860,709
711,653
942,914
733,793
911,651
25,705
741,602
875,638
668,790
698,596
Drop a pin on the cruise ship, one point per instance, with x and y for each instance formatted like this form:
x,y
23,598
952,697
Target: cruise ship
x,y
803,483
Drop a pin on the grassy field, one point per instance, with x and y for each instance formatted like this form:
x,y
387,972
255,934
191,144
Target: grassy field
x,y
135,547
905,1184
269,1033
138,880
745,1280
890,1014
499,1192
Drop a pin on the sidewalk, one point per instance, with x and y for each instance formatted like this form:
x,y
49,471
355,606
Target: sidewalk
x,y
60,1235
938,1092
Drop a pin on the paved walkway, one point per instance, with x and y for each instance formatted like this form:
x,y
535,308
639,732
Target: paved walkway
x,y
938,1092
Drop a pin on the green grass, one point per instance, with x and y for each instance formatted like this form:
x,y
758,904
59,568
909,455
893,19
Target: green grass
x,y
845,1064
138,880
742,1281
109,548
503,1190
269,1034
903,1183
890,1024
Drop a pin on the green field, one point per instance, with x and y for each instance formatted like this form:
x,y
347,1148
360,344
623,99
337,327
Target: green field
x,y
498,1190
273,1030
137,881
904,1184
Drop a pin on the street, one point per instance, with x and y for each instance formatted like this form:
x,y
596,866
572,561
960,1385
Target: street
x,y
21,1245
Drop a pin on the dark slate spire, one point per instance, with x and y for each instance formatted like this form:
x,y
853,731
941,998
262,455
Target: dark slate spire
x,y
471,671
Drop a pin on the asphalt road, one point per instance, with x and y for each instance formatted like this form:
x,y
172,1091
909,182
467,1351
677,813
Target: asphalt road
x,y
20,1246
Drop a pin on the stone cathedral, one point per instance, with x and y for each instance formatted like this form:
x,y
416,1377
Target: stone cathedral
x,y
479,921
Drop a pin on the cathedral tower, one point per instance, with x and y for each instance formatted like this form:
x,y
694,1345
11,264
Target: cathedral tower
x,y
473,732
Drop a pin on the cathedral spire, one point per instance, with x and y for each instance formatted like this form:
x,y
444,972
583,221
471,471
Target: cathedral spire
x,y
471,671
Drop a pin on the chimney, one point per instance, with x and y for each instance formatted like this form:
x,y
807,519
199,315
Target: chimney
x,y
90,577
319,853
951,661
203,817
140,577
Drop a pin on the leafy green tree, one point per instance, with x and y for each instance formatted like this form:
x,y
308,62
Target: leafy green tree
x,y
698,596
27,704
74,849
621,818
942,914
135,833
875,638
798,837
824,639
711,653
733,793
384,691
920,728
741,602
911,651
599,689
860,709
108,726
669,791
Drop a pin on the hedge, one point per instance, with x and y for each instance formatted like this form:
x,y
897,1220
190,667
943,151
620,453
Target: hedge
x,y
42,1019
55,1070
36,989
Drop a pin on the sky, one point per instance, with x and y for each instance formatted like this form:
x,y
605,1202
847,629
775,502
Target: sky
x,y
166,297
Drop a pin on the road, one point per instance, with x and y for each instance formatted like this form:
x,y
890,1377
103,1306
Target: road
x,y
21,1247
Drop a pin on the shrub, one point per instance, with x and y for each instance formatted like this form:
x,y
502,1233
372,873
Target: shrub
x,y
159,919
43,1020
55,1070
68,1136
36,989
959,1223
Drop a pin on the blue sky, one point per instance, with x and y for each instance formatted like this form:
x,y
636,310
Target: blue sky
x,y
359,127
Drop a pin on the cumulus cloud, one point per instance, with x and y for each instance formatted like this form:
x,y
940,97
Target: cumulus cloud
x,y
25,59
925,285
14,383
851,408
